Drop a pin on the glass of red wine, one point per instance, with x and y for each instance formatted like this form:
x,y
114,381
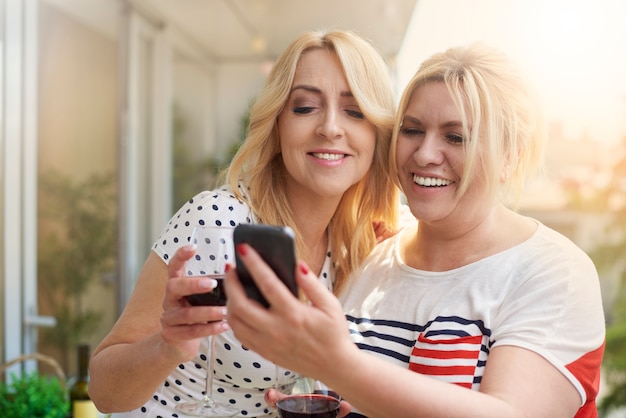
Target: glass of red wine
x,y
304,397
214,249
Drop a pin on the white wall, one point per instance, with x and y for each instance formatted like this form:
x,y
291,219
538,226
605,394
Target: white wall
x,y
237,87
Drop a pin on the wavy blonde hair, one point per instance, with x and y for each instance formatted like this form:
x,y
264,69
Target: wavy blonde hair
x,y
258,163
503,128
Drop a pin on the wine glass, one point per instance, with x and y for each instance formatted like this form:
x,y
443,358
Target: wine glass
x,y
303,396
214,250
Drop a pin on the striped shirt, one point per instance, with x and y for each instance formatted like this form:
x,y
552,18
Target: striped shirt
x,y
542,295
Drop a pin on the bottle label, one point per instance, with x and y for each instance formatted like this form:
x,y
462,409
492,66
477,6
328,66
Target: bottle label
x,y
84,409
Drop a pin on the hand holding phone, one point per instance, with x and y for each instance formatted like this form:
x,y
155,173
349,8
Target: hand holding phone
x,y
275,244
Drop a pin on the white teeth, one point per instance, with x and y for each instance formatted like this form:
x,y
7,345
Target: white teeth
x,y
327,156
430,181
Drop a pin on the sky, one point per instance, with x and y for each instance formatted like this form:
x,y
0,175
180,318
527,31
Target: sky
x,y
572,51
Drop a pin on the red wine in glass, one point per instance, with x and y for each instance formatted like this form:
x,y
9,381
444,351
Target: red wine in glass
x,y
308,405
214,248
216,297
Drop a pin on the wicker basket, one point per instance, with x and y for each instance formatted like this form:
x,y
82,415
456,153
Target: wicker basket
x,y
40,358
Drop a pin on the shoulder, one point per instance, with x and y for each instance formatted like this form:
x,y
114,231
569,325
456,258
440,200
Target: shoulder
x,y
214,207
555,286
553,305
373,270
210,207
558,250
384,249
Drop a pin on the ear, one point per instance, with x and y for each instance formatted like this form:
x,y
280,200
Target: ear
x,y
508,165
504,174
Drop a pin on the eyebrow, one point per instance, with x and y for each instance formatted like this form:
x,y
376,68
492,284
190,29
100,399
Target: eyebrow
x,y
313,89
450,124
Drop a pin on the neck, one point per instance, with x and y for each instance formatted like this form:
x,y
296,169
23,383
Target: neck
x,y
315,239
312,219
439,248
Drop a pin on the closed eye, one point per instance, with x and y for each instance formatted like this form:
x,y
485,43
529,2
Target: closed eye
x,y
303,110
355,114
411,131
455,138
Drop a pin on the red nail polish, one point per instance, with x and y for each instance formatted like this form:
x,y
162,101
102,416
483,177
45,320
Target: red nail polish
x,y
226,267
304,269
241,249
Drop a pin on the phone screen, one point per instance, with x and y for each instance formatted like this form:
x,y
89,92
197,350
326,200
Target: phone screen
x,y
275,244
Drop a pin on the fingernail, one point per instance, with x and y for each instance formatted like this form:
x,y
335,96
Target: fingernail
x,y
227,267
304,268
193,244
208,283
224,325
241,249
224,311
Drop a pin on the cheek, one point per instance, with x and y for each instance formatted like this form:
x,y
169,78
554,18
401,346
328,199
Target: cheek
x,y
402,153
288,134
369,150
369,134
456,162
362,139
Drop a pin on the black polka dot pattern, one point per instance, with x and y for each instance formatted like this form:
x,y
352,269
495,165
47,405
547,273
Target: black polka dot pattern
x,y
241,376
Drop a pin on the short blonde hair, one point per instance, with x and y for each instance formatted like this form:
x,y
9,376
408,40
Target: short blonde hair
x,y
258,163
503,128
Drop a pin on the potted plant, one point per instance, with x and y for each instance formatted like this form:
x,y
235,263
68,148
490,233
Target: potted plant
x,y
34,395
76,248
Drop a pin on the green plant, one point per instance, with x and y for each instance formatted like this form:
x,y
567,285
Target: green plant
x,y
609,259
33,396
192,173
76,246
615,368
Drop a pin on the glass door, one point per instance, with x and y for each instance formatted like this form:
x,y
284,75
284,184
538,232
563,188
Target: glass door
x,y
167,136
76,175
145,146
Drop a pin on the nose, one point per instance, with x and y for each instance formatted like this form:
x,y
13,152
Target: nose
x,y
428,151
330,125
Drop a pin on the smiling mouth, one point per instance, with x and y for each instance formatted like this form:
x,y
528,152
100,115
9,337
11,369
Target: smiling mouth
x,y
328,156
430,181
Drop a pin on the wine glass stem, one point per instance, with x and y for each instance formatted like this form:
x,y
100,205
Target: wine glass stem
x,y
210,362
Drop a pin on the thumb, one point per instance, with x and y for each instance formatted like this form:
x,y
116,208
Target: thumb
x,y
176,265
344,409
272,396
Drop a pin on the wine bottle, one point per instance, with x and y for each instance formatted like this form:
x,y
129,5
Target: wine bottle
x,y
81,406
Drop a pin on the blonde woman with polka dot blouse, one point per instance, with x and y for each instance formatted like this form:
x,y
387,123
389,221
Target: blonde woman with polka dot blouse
x,y
315,159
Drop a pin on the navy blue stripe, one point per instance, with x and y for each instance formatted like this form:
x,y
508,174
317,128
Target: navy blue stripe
x,y
419,328
455,332
384,351
386,322
458,320
385,337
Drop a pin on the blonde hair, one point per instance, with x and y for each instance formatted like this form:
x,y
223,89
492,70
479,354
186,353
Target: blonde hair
x,y
259,166
503,128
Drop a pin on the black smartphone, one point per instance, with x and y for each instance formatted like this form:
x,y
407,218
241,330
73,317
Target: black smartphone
x,y
276,245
